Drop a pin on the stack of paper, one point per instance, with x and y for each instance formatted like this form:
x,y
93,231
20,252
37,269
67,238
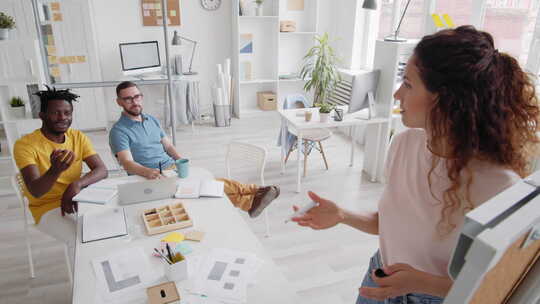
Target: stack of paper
x,y
95,195
122,277
224,275
103,224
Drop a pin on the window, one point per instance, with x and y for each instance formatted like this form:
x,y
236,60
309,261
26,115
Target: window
x,y
413,22
459,10
511,22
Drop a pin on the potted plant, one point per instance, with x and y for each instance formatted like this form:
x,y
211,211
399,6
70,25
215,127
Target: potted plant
x,y
259,8
17,108
320,72
6,23
324,110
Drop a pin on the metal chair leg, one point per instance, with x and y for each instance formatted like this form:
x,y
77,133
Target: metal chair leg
x,y
323,156
68,263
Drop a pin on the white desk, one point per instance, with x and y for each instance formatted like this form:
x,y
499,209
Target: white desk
x,y
217,217
297,125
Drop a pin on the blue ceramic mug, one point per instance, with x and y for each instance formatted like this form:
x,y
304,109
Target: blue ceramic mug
x,y
182,167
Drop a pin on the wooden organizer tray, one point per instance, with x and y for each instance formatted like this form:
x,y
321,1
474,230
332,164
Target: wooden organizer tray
x,y
166,218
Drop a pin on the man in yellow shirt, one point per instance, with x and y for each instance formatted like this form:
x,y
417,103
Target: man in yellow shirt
x,y
50,161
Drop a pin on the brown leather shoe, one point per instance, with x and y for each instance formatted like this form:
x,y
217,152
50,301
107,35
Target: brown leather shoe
x,y
263,198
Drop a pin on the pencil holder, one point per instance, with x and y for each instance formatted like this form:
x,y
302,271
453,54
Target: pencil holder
x,y
177,271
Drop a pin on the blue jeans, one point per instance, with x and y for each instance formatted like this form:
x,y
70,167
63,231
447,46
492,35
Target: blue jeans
x,y
411,298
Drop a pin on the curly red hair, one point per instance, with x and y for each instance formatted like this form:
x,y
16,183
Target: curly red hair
x,y
486,109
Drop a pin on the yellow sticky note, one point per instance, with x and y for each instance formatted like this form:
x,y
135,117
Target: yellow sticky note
x,y
55,6
53,60
173,13
437,20
72,59
57,17
55,72
51,50
173,237
81,59
448,20
63,60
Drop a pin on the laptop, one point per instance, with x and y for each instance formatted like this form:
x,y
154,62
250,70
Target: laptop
x,y
147,190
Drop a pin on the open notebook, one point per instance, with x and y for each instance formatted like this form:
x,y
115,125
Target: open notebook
x,y
198,188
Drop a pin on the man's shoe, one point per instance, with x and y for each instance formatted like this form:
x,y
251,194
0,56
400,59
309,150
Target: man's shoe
x,y
263,198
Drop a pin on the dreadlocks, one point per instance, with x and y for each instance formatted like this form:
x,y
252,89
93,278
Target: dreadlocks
x,y
53,94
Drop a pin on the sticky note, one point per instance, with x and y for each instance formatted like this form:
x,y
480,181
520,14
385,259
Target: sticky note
x,y
146,13
448,20
194,235
173,237
51,50
157,6
53,60
158,13
81,59
183,248
437,20
55,72
172,13
57,17
63,60
55,6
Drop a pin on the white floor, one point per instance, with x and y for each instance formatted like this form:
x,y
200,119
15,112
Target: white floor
x,y
322,266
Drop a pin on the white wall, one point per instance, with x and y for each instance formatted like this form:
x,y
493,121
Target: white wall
x,y
121,21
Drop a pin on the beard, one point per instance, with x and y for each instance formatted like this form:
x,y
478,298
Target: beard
x,y
134,113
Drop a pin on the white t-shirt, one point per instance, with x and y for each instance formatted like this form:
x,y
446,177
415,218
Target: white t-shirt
x,y
408,213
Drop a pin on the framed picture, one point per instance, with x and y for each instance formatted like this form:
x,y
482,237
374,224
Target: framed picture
x,y
246,43
245,70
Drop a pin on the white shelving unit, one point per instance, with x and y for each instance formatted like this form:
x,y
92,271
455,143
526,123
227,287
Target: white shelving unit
x,y
274,53
390,58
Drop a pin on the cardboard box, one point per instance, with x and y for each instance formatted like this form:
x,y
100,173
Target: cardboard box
x,y
287,26
267,101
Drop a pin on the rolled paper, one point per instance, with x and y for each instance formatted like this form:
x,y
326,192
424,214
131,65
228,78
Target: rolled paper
x,y
227,70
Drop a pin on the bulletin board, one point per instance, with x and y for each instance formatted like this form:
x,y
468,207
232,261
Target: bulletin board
x,y
152,12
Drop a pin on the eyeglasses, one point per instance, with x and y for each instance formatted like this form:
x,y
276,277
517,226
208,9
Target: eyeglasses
x,y
131,99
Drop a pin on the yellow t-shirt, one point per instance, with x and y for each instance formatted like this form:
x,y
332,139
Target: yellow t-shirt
x,y
36,149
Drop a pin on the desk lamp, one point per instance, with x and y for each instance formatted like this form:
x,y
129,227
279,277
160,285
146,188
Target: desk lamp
x,y
177,40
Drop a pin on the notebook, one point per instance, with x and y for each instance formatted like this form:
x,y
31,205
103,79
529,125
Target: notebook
x,y
199,188
94,195
104,224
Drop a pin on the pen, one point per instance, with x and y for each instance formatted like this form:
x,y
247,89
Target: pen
x,y
302,211
161,255
160,172
169,252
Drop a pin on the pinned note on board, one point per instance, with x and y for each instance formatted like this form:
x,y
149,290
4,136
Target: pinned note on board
x,y
173,237
448,20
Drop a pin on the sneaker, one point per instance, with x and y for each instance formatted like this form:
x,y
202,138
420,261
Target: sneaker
x,y
263,198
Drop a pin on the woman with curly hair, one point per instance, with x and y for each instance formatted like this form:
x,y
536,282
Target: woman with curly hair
x,y
473,115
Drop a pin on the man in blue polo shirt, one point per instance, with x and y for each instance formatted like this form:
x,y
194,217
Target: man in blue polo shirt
x,y
141,147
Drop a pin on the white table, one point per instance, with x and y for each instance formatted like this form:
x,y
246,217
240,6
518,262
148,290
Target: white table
x,y
223,227
298,124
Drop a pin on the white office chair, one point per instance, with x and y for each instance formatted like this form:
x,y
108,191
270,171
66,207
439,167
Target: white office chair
x,y
243,154
18,185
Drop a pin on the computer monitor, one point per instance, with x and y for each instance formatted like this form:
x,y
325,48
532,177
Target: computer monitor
x,y
140,57
364,84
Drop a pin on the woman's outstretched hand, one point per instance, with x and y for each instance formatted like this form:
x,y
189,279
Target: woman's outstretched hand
x,y
327,214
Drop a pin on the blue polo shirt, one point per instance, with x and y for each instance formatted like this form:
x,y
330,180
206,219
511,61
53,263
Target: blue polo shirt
x,y
143,139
